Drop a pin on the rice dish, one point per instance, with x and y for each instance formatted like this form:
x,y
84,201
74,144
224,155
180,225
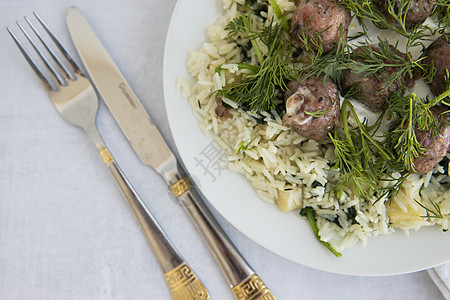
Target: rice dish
x,y
294,172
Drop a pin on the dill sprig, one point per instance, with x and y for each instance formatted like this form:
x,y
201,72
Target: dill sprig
x,y
395,19
434,212
357,154
244,25
258,91
403,135
442,12
329,64
318,113
413,113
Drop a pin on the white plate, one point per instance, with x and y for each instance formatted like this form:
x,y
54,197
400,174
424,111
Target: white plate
x,y
283,233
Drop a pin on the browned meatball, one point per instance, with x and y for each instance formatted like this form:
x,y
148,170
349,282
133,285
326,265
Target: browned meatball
x,y
313,96
438,145
418,12
372,90
323,17
438,53
221,111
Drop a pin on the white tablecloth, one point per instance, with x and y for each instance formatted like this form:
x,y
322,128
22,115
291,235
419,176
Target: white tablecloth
x,y
65,230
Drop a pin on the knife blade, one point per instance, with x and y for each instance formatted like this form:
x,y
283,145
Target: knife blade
x,y
153,151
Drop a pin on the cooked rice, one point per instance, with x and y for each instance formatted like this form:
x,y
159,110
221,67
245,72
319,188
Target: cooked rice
x,y
291,171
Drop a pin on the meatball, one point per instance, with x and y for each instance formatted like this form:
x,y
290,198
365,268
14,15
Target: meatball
x,y
311,96
371,89
438,145
418,12
324,17
438,53
221,111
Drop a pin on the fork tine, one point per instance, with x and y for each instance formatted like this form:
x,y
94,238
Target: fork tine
x,y
66,54
68,74
52,70
30,61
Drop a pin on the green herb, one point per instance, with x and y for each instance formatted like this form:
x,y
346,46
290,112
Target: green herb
x,y
277,11
393,189
241,66
241,147
413,113
442,12
404,135
357,155
434,212
258,91
244,25
310,214
318,113
366,10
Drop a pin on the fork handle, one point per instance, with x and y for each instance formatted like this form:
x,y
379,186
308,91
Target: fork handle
x,y
183,282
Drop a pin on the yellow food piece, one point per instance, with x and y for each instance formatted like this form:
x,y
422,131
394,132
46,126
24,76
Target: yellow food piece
x,y
289,200
412,218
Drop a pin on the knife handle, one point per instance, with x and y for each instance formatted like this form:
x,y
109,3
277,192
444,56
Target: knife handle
x,y
183,282
245,284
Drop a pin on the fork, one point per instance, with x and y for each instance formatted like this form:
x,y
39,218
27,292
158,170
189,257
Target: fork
x,y
76,100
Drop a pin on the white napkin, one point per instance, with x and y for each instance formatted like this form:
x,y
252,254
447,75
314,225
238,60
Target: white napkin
x,y
441,276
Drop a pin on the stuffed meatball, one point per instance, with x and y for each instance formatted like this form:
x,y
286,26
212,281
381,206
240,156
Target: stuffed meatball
x,y
437,145
372,89
418,11
438,54
324,18
312,107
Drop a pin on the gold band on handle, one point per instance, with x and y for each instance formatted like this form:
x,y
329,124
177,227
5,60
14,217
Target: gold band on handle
x,y
106,156
180,187
251,289
184,284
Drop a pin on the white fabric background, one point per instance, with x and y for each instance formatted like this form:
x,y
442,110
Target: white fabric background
x,y
65,230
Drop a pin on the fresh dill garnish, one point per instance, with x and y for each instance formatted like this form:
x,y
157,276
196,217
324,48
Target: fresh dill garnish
x,y
394,19
441,10
357,154
392,189
318,113
434,212
258,91
376,60
279,14
240,66
413,113
310,214
328,64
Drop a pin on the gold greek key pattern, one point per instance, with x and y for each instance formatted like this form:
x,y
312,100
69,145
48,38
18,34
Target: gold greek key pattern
x,y
106,156
184,284
180,187
251,289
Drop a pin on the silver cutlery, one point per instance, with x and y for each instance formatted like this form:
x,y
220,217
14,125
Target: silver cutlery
x,y
153,151
76,100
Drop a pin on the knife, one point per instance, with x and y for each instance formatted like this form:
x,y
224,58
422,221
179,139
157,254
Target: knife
x,y
153,151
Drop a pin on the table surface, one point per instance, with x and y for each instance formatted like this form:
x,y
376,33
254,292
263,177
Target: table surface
x,y
65,230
